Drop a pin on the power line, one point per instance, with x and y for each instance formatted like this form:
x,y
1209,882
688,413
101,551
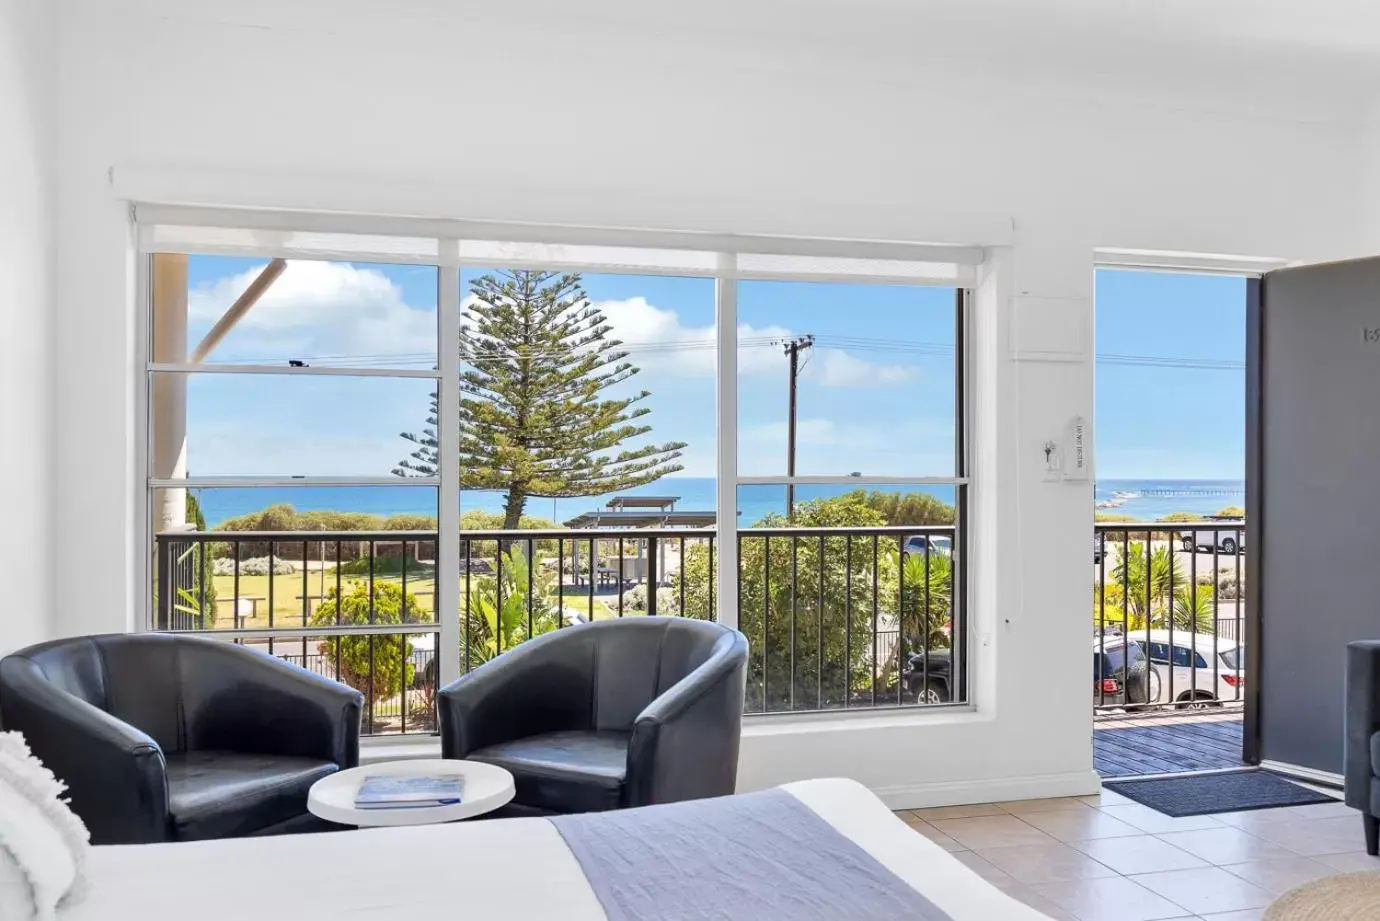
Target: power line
x,y
850,343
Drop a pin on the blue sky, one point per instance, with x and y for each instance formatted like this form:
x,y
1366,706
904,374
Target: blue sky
x,y
876,393
1171,421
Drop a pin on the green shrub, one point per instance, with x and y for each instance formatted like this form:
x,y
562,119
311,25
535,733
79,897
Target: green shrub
x,y
918,508
667,599
285,517
390,668
488,521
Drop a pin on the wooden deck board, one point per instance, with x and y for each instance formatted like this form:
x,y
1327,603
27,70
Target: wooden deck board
x,y
1166,743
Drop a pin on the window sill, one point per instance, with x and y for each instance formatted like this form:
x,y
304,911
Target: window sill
x,y
386,748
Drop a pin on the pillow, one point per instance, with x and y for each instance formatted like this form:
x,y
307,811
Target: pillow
x,y
43,844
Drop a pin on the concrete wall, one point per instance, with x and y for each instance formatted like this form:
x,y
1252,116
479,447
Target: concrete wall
x,y
27,136
663,129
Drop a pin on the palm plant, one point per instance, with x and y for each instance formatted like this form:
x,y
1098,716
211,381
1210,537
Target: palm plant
x,y
503,611
1150,591
1193,609
928,601
1145,582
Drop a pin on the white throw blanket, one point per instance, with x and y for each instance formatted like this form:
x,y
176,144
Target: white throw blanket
x,y
43,844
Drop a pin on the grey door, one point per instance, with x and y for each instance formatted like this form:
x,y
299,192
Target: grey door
x,y
1313,501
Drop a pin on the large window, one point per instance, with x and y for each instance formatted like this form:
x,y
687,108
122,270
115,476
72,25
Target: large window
x,y
390,458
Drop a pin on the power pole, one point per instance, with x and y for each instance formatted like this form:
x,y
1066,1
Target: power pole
x,y
793,350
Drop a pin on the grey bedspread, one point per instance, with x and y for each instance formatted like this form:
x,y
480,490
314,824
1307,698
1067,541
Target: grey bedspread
x,y
753,857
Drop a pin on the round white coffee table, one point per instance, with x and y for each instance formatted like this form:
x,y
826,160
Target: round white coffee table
x,y
485,789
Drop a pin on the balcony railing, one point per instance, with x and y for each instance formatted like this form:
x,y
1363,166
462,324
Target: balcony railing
x,y
836,618
1169,615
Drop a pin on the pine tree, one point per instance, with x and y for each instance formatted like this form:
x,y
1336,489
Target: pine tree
x,y
536,358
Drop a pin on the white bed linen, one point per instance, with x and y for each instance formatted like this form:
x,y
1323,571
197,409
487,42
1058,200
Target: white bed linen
x,y
502,869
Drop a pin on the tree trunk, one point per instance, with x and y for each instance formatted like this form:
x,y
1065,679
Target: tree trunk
x,y
512,508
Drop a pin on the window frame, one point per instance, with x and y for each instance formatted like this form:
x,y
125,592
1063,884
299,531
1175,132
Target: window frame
x,y
956,269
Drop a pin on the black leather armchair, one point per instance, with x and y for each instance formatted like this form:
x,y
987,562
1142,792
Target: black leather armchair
x,y
177,738
1363,736
607,715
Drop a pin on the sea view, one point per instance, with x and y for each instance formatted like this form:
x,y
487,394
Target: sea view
x,y
1142,499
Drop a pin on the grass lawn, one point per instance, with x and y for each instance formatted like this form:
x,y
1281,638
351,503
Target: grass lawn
x,y
287,596
598,609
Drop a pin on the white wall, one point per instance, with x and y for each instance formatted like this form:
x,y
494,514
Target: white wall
x,y
28,69
672,131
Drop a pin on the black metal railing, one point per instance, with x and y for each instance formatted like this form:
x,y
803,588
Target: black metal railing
x,y
836,618
1169,614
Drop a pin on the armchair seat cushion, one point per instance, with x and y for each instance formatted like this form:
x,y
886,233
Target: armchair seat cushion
x,y
564,771
216,794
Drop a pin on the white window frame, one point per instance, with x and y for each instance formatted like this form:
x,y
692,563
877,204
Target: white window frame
x,y
936,265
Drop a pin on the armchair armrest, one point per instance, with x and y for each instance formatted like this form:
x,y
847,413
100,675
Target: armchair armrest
x,y
1362,719
115,774
544,685
243,700
685,743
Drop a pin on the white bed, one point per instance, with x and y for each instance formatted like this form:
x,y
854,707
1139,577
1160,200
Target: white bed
x,y
509,869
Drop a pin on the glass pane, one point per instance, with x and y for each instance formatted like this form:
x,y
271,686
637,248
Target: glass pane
x,y
873,385
847,504
636,420
322,314
845,619
600,389
239,580
282,425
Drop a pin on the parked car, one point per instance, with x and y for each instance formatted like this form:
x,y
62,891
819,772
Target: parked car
x,y
916,544
1196,671
1122,675
1226,540
932,685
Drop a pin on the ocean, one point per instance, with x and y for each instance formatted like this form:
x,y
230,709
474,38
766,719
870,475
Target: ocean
x,y
1144,499
1150,499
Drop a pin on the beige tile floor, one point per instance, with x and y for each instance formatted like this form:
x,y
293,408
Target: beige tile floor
x,y
1105,858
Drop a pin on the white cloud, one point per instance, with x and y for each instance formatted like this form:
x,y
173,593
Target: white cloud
x,y
324,310
837,368
656,340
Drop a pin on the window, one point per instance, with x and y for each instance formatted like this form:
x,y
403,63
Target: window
x,y
345,422
1184,657
275,390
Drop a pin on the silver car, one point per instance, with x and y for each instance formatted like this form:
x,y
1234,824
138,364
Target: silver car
x,y
1223,539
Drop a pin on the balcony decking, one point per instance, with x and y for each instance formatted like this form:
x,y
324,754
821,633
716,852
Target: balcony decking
x,y
1125,745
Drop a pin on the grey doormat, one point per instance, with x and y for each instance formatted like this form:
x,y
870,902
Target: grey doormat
x,y
1235,791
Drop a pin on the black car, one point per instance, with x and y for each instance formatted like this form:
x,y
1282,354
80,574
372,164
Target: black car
x,y
932,684
1122,675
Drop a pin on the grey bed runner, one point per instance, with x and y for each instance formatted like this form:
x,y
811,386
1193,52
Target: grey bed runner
x,y
754,857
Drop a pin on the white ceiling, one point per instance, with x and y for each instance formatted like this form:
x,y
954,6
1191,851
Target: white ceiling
x,y
1295,52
